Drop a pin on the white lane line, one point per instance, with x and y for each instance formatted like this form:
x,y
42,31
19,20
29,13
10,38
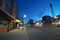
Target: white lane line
x,y
26,34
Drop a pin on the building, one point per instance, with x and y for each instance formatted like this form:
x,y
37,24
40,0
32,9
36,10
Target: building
x,y
39,23
8,12
15,10
56,20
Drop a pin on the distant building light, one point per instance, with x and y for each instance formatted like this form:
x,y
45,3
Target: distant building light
x,y
37,23
59,21
55,17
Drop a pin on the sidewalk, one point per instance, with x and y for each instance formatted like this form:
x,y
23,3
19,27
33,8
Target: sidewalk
x,y
2,33
14,30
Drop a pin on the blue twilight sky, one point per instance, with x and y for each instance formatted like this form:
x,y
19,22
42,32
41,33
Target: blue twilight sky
x,y
35,9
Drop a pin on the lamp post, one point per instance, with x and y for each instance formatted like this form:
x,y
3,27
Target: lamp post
x,y
24,16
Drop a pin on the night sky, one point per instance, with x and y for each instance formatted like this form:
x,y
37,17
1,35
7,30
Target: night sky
x,y
35,9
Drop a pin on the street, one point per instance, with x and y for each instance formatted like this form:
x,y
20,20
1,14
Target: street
x,y
41,33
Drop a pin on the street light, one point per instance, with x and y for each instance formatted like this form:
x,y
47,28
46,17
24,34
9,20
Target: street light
x,y
24,16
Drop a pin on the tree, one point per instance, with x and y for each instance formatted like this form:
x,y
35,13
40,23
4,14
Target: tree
x,y
30,22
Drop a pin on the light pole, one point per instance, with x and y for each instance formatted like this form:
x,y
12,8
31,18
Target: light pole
x,y
24,16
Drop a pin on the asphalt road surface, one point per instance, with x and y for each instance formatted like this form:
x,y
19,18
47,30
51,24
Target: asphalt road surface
x,y
41,33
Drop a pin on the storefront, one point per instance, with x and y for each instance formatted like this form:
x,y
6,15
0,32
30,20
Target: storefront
x,y
5,20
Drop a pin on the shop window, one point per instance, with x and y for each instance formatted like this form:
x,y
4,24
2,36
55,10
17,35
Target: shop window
x,y
4,23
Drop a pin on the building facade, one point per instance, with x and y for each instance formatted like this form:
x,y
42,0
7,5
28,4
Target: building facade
x,y
10,6
56,20
8,12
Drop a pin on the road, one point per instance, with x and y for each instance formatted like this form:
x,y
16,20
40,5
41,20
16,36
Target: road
x,y
41,33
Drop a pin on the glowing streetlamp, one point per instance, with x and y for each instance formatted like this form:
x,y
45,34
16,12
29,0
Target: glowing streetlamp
x,y
24,16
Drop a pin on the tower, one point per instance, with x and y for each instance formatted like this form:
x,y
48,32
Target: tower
x,y
52,11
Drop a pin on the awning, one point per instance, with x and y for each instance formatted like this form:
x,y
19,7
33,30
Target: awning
x,y
16,21
6,13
